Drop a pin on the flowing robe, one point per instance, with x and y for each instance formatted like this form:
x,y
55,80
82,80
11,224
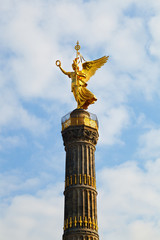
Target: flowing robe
x,y
82,95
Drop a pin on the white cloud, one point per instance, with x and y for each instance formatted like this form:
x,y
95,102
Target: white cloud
x,y
112,124
11,141
149,144
131,35
12,182
34,217
14,115
155,35
32,65
129,201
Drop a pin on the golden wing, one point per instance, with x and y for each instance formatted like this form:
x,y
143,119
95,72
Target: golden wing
x,y
89,68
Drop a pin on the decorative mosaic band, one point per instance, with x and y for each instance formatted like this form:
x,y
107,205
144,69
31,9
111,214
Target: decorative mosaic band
x,y
86,223
80,179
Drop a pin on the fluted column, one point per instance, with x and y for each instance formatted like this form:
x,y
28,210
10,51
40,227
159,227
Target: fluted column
x,y
80,216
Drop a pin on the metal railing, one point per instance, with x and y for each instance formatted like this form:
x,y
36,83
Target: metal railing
x,y
89,121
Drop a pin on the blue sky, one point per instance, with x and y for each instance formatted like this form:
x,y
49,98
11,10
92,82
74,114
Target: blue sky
x,y
34,95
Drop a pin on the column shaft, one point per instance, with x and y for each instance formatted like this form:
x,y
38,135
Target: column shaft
x,y
80,193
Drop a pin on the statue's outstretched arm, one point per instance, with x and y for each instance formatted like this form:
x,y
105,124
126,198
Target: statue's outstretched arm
x,y
66,73
58,63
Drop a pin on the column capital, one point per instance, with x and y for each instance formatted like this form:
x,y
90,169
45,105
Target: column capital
x,y
80,134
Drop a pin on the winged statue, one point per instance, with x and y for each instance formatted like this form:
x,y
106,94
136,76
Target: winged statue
x,y
79,78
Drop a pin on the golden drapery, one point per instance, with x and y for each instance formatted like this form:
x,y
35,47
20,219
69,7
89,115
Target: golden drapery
x,y
83,97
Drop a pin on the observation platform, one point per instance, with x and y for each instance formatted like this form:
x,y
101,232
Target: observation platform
x,y
79,117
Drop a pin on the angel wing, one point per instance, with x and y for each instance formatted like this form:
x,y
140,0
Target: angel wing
x,y
89,68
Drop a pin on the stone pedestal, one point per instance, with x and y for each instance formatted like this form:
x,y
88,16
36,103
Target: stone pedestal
x,y
80,135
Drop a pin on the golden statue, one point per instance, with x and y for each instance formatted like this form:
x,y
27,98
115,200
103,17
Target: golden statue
x,y
79,78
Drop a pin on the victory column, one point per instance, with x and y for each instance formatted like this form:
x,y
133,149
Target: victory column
x,y
80,135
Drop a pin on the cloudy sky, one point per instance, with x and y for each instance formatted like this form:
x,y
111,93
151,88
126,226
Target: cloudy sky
x,y
34,95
